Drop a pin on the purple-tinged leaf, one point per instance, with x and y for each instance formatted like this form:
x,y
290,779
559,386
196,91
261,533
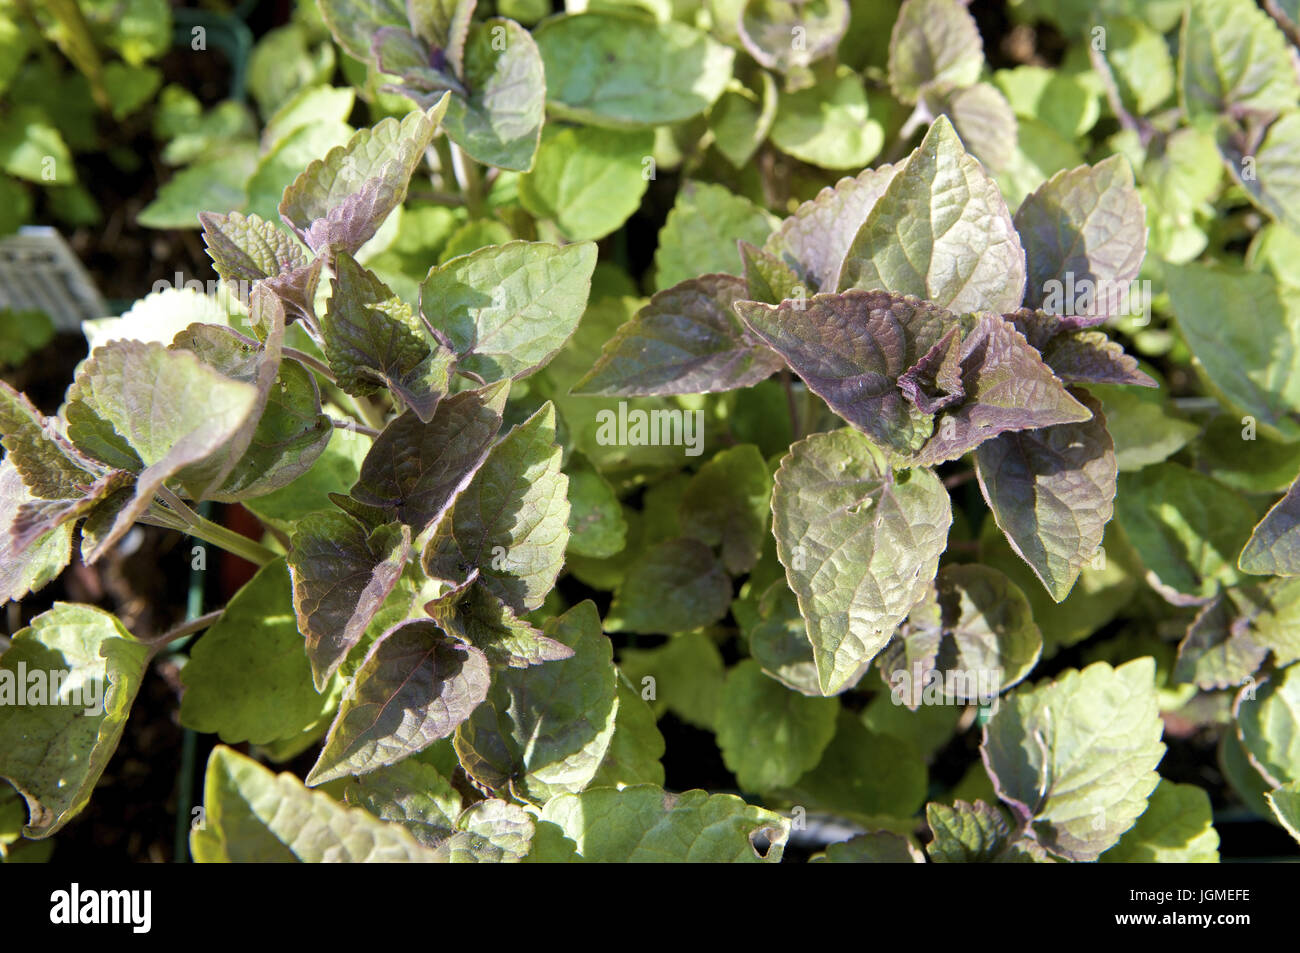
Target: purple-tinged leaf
x,y
815,238
940,231
976,833
1008,388
1218,652
415,470
341,576
340,201
166,407
1052,492
851,349
40,562
397,52
1085,236
687,340
297,289
249,248
512,521
35,518
933,43
1090,357
546,728
1274,546
934,382
373,338
354,22
51,467
482,620
414,687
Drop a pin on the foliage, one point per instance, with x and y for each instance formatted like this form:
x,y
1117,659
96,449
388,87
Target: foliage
x,y
992,440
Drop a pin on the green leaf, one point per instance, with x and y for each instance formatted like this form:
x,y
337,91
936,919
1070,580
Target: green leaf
x,y
334,471
511,521
50,466
685,567
767,28
1138,56
341,200
413,793
700,234
778,639
414,687
597,528
876,847
32,149
87,669
1188,528
310,104
817,235
278,169
633,755
940,231
500,122
687,340
1085,230
975,630
1218,651
372,337
588,180
546,729
1244,329
415,470
1064,102
247,678
1145,427
1268,724
827,124
1052,492
217,186
935,42
740,120
967,833
1233,56
983,119
1176,828
610,69
254,816
1285,802
685,676
727,504
860,545
646,824
341,576
1077,755
769,735
507,310
862,775
1274,546
130,87
163,406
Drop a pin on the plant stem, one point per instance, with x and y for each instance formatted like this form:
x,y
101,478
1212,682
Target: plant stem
x,y
469,180
302,357
188,627
210,532
354,427
368,412
796,431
